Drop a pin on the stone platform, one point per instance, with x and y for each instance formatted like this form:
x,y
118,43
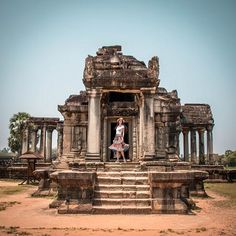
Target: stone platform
x,y
124,188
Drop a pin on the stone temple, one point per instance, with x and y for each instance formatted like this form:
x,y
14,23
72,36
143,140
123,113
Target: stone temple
x,y
155,179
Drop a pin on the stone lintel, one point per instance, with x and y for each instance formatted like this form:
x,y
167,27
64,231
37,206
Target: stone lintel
x,y
151,90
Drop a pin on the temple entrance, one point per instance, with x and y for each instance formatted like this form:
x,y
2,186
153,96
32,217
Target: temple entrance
x,y
112,133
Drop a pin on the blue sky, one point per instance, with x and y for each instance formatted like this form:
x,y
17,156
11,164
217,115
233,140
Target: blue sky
x,y
43,45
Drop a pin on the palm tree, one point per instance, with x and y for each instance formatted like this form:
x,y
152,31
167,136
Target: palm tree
x,y
16,126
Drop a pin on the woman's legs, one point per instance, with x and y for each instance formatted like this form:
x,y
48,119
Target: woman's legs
x,y
117,156
123,155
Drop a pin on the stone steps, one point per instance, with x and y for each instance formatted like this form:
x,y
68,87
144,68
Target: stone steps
x,y
122,174
121,166
122,192
122,180
121,210
122,202
118,187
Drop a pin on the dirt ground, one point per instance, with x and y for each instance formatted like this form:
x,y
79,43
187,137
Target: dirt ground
x,y
31,216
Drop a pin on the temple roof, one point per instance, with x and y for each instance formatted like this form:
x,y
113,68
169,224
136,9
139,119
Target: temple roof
x,y
197,114
111,69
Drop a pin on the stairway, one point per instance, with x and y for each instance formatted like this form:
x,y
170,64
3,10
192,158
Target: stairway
x,y
122,189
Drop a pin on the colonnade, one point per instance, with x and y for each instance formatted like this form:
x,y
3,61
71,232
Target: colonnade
x,y
42,133
190,150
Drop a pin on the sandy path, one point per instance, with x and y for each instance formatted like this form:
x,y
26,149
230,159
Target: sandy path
x,y
34,213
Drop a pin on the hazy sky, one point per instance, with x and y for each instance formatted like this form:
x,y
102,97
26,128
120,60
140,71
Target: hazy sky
x,y
43,45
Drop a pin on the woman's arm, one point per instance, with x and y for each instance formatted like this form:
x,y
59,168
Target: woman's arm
x,y
123,132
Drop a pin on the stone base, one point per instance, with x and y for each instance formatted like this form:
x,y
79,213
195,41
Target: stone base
x,y
56,203
75,209
126,188
173,206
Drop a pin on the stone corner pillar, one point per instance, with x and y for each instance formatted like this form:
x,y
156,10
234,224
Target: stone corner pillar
x,y
193,146
147,121
25,141
49,144
94,125
33,134
59,140
186,144
43,142
201,146
209,129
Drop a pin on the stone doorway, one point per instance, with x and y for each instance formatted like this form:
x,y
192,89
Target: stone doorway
x,y
127,139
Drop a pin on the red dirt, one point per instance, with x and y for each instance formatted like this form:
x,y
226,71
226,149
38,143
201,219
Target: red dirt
x,y
34,216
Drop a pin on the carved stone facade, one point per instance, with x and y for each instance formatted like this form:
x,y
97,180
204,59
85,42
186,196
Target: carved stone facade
x,y
118,85
153,180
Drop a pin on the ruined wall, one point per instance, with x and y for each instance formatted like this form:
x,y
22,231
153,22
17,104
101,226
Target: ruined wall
x,y
75,113
167,123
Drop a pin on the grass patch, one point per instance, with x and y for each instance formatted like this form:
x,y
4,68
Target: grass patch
x,y
14,230
225,189
230,167
11,180
4,205
202,229
12,190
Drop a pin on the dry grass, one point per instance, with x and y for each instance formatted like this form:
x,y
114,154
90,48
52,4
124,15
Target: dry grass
x,y
12,190
13,230
4,205
225,189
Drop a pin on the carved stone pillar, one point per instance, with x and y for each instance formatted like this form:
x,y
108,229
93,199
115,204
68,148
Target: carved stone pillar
x,y
43,142
193,146
105,145
49,144
210,144
177,142
25,141
134,138
201,146
186,144
59,140
148,139
94,126
34,130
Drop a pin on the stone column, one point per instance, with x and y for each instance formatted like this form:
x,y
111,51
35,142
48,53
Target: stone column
x,y
201,146
193,146
49,144
94,126
34,130
148,124
25,140
210,144
59,140
134,138
43,142
141,128
105,145
186,144
177,142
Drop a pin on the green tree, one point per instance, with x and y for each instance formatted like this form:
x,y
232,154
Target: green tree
x,y
229,158
228,152
16,126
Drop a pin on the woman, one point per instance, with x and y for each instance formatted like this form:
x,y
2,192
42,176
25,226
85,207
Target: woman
x,y
118,143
